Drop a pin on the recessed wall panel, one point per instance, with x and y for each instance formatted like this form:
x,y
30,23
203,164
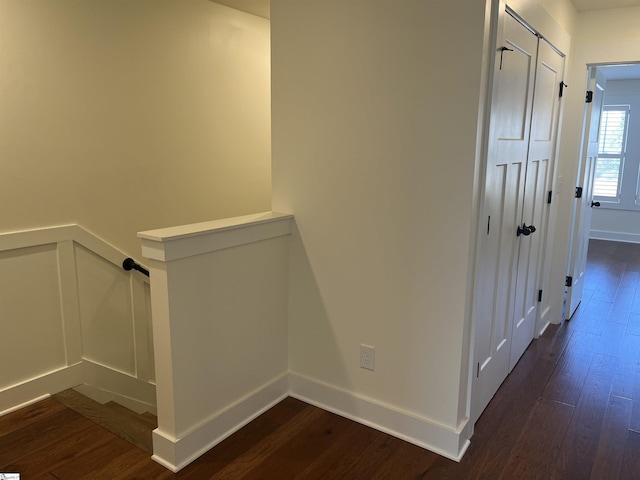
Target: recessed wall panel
x,y
105,311
31,329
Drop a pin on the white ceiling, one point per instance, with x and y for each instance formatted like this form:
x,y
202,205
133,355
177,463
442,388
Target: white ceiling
x,y
260,8
586,5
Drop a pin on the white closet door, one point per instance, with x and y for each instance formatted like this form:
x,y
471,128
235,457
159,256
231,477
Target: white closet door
x,y
512,101
546,106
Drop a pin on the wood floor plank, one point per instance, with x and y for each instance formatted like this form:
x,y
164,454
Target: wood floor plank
x,y
633,325
567,381
609,281
611,340
29,415
631,462
624,297
635,305
381,450
302,448
538,447
263,449
69,444
410,461
634,423
333,463
36,436
628,372
583,435
615,427
107,458
593,317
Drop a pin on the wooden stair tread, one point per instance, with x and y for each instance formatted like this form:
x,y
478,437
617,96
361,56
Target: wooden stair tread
x,y
125,423
149,422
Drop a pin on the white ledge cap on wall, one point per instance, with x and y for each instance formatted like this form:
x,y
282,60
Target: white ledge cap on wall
x,y
173,243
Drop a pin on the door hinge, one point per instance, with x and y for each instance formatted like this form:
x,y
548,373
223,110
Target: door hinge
x,y
562,85
578,192
539,295
478,371
568,281
549,195
589,98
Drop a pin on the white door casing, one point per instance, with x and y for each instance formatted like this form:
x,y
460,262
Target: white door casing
x,y
582,208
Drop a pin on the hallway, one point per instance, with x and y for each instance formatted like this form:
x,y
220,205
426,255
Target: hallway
x,y
571,406
569,410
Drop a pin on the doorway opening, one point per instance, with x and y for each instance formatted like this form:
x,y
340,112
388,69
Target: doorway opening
x,y
608,184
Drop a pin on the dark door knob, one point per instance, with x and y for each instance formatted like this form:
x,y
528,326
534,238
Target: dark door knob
x,y
525,230
595,204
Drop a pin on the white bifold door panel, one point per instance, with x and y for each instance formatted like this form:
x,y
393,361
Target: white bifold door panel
x,y
520,153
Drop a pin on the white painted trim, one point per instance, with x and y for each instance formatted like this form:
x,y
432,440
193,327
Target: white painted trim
x,y
177,453
40,236
615,236
189,240
34,389
78,370
448,442
60,234
129,391
25,404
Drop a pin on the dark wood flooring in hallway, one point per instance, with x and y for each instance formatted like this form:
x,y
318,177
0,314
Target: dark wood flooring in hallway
x,y
570,409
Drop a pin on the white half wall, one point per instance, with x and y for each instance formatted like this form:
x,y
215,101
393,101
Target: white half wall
x,y
70,315
220,307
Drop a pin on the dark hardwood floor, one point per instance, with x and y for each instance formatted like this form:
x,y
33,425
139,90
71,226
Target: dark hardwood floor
x,y
569,410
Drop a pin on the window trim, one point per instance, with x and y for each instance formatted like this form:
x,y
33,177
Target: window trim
x,y
621,154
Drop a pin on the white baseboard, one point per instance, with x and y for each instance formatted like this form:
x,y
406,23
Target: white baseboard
x,y
39,388
614,236
445,441
103,384
177,453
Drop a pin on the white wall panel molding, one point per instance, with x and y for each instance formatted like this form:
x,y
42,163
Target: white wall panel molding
x,y
421,431
103,383
173,243
62,287
34,389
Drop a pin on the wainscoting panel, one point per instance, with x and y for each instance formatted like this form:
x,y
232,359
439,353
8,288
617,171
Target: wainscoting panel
x,y
31,335
104,292
65,300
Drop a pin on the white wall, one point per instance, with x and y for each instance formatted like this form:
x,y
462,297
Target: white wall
x,y
610,222
376,146
375,114
126,115
70,315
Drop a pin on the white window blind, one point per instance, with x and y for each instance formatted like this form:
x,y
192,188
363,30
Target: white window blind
x,y
611,150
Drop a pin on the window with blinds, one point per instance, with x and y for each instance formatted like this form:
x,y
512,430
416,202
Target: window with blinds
x,y
611,151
